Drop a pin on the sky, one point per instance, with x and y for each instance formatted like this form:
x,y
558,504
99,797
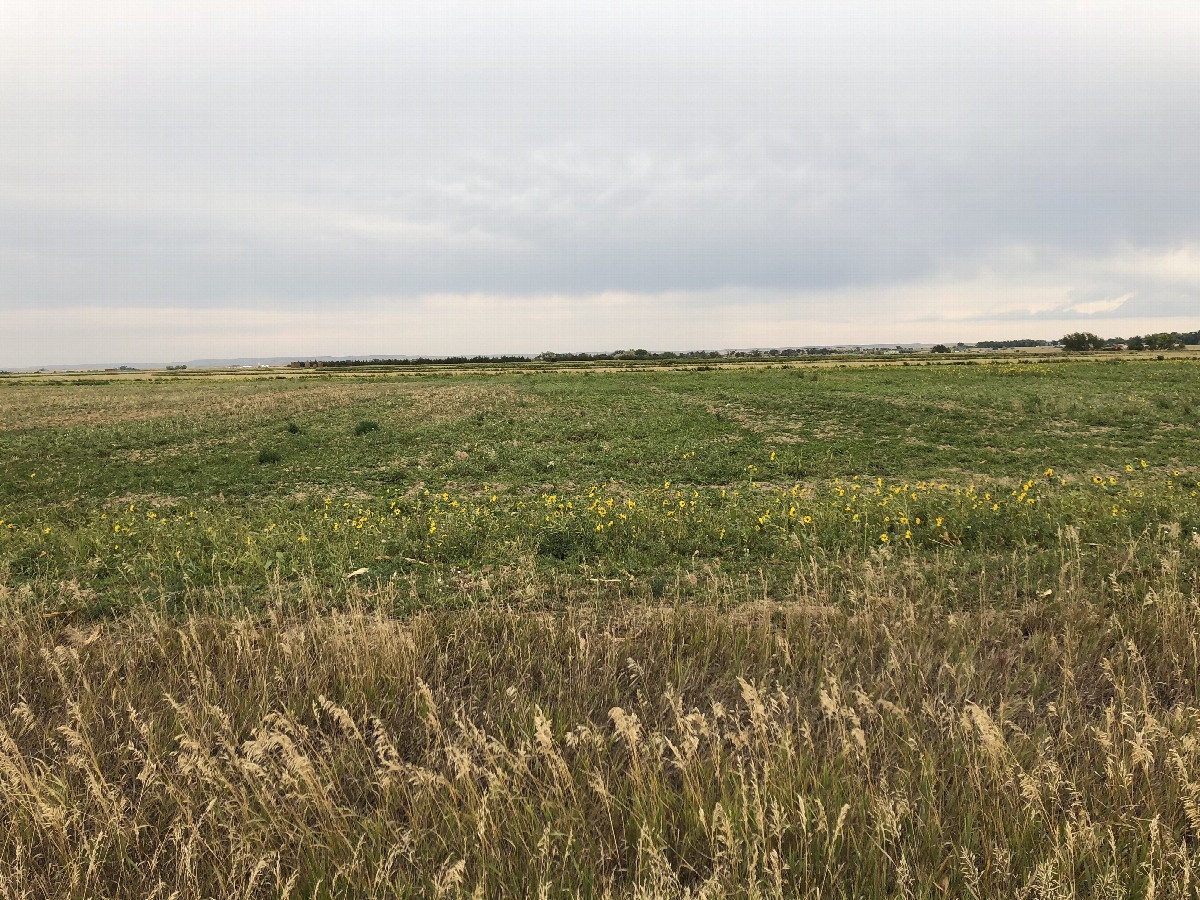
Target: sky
x,y
184,180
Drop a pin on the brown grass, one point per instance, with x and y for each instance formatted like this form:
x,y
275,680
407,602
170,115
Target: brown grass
x,y
900,741
28,406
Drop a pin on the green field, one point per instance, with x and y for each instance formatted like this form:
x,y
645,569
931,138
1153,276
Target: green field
x,y
728,630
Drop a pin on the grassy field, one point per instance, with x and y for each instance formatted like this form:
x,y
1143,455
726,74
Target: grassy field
x,y
836,631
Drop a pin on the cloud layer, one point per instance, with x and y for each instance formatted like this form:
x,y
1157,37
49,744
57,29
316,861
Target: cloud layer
x,y
699,174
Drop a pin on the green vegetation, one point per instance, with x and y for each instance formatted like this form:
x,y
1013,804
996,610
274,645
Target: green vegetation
x,y
847,631
1079,341
1084,340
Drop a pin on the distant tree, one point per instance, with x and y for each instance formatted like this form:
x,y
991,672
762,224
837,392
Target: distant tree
x,y
1161,341
1136,343
940,348
1079,341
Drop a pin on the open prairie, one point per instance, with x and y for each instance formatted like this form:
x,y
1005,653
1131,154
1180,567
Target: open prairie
x,y
835,631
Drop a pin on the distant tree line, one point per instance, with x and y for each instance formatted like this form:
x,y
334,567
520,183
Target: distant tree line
x,y
1076,342
551,356
787,351
1079,341
404,361
548,356
1008,345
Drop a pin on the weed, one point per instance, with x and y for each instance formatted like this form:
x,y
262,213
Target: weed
x,y
556,542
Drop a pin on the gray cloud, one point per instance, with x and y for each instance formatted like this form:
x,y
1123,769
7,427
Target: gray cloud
x,y
299,158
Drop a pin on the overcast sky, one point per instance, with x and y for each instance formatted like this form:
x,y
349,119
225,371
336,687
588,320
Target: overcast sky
x,y
217,179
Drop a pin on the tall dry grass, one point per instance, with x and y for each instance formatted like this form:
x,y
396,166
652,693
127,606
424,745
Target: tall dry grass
x,y
906,737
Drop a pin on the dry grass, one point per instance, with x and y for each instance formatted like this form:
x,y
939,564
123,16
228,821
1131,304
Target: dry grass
x,y
901,740
30,406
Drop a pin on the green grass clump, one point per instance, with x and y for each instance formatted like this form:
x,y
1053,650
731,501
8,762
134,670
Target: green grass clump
x,y
366,426
267,456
